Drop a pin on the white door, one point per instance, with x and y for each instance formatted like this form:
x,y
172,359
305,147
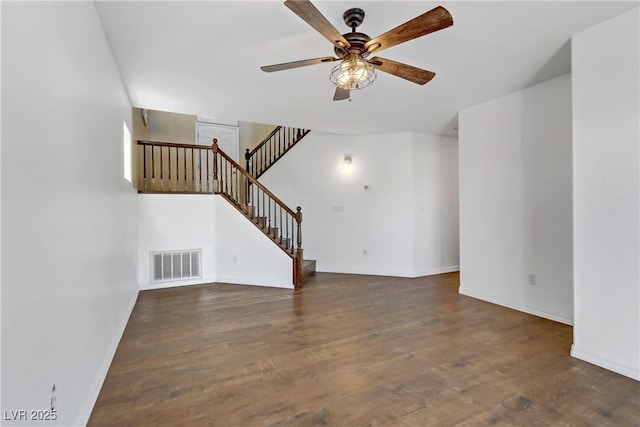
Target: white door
x,y
227,137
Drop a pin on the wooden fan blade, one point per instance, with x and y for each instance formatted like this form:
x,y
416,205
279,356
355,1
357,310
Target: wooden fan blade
x,y
407,72
312,16
296,64
436,19
341,94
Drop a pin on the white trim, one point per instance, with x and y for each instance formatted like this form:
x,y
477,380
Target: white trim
x,y
177,283
435,271
540,313
627,371
211,280
92,395
392,273
243,281
388,273
216,121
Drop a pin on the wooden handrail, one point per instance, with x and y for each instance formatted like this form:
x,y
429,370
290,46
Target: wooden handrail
x,y
254,181
264,141
272,148
174,145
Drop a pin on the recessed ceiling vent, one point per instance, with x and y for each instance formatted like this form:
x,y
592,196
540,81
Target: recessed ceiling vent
x,y
175,265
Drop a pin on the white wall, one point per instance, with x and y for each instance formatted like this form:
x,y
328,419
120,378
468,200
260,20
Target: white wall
x,y
370,207
171,127
435,204
68,215
0,228
244,255
233,249
606,189
515,200
251,134
175,222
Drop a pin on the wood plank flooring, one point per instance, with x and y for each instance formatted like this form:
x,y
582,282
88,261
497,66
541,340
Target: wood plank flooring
x,y
351,350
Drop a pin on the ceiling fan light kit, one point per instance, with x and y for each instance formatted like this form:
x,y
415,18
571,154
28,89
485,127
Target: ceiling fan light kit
x,y
355,71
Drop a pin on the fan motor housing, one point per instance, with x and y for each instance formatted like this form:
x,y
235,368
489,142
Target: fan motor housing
x,y
357,42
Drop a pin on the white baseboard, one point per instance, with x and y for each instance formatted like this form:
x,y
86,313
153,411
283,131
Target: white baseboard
x,y
366,272
391,273
603,362
92,396
177,283
435,271
540,313
221,279
244,282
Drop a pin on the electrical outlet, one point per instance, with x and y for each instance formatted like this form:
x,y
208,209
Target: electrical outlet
x,y
235,258
364,252
531,279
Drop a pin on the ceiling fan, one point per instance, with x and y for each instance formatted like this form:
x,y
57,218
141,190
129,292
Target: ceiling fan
x,y
352,49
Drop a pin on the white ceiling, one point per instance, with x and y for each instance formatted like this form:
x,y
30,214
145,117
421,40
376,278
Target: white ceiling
x,y
204,58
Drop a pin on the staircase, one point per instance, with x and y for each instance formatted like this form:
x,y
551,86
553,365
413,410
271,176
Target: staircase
x,y
269,151
197,169
260,206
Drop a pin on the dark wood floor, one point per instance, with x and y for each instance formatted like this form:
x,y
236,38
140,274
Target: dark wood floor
x,y
351,351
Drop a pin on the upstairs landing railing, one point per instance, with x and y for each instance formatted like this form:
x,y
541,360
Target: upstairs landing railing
x,y
167,167
274,146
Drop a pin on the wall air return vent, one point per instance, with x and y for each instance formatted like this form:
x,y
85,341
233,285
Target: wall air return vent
x,y
175,265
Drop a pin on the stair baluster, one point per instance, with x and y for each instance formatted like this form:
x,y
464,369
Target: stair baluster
x,y
272,148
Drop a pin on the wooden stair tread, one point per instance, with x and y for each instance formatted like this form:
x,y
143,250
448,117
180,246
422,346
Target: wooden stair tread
x,y
270,232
